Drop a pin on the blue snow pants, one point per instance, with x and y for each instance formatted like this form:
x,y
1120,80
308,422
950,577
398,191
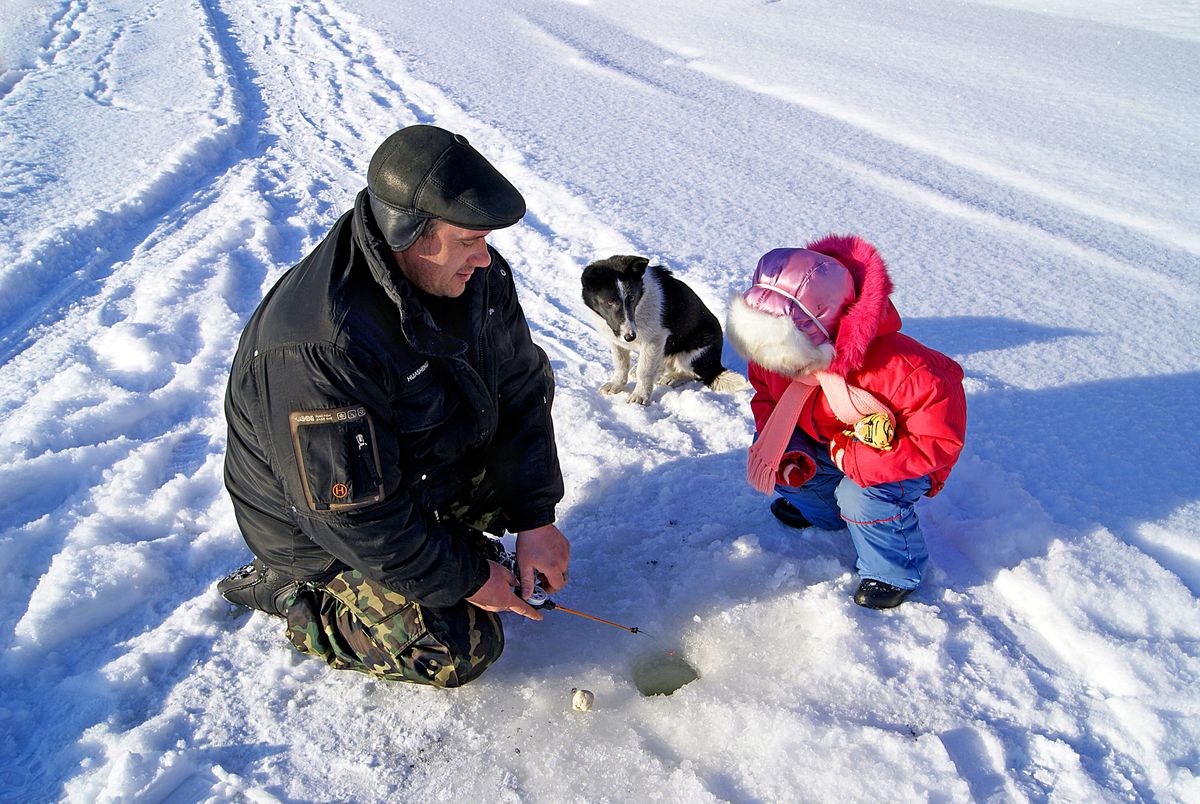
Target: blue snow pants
x,y
881,519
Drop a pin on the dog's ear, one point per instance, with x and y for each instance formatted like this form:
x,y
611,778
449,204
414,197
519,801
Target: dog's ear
x,y
600,267
596,272
635,266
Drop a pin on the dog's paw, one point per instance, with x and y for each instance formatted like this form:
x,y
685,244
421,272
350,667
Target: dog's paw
x,y
639,397
674,380
612,388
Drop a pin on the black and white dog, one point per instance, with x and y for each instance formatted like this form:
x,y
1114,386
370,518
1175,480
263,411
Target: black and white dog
x,y
645,309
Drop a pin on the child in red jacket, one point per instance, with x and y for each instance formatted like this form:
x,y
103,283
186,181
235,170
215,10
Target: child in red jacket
x,y
855,421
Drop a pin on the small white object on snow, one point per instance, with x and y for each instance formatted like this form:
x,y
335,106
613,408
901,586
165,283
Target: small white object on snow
x,y
581,700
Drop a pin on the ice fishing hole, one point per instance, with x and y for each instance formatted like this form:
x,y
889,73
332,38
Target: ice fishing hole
x,y
661,672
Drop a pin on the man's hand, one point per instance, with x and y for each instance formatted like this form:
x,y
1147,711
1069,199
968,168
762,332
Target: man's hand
x,y
543,551
497,594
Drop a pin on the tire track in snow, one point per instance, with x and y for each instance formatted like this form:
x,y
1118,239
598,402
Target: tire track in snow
x,y
1041,237
585,56
51,273
61,35
159,487
157,369
1176,237
52,422
162,486
102,90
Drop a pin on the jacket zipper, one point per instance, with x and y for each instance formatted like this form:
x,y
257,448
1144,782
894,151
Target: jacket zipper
x,y
367,460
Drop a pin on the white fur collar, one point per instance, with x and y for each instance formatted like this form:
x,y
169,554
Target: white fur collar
x,y
773,341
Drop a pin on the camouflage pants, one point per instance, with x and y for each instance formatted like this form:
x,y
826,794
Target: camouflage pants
x,y
356,623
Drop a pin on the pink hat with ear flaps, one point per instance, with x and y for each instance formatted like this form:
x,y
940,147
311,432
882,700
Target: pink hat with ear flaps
x,y
838,282
809,287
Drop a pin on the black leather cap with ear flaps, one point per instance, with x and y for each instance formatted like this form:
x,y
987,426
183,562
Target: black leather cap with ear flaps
x,y
423,172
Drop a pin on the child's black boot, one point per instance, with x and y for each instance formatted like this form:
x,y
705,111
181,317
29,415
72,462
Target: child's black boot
x,y
875,594
789,514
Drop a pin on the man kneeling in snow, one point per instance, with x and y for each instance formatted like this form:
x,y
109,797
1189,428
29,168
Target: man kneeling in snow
x,y
386,407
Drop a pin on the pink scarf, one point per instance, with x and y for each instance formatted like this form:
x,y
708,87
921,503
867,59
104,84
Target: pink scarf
x,y
849,404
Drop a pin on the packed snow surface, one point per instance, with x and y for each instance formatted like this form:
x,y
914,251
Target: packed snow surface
x,y
1028,170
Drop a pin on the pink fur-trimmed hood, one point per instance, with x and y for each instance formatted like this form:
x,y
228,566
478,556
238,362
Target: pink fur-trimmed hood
x,y
796,319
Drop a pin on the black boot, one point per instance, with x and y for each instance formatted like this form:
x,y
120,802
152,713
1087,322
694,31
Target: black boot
x,y
876,594
257,586
789,514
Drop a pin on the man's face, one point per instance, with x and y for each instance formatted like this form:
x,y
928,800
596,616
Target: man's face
x,y
441,261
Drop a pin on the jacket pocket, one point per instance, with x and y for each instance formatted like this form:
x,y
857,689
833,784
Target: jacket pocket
x,y
422,401
338,458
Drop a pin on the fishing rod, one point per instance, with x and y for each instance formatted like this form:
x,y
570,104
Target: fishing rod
x,y
540,600
550,605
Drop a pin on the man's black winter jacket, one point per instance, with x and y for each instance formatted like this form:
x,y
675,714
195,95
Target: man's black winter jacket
x,y
352,417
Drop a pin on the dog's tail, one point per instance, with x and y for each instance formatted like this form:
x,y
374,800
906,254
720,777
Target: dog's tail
x,y
727,382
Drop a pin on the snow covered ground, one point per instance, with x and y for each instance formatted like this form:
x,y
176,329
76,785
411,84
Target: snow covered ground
x,y
1028,169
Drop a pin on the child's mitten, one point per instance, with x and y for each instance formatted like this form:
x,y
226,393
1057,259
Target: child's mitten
x,y
837,448
795,469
